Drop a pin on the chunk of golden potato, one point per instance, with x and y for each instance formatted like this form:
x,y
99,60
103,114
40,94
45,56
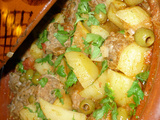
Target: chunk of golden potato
x,y
96,90
112,16
100,31
83,67
25,114
67,102
120,84
122,114
54,112
43,68
134,17
35,51
132,60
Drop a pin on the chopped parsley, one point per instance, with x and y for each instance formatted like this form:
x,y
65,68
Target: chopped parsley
x,y
62,36
137,94
43,81
143,76
39,111
73,48
107,104
100,7
122,31
71,79
92,20
104,66
58,60
96,41
60,71
21,68
58,94
48,59
42,39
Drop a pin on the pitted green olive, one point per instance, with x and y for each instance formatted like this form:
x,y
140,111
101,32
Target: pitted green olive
x,y
87,106
144,37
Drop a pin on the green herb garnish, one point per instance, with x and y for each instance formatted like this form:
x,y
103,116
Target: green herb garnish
x,y
43,81
48,59
60,71
71,79
58,94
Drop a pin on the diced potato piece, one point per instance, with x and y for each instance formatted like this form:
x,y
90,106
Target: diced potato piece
x,y
134,17
96,90
25,114
122,114
132,60
35,51
108,2
119,4
112,16
81,32
133,2
67,102
120,84
54,112
83,67
59,18
43,68
100,31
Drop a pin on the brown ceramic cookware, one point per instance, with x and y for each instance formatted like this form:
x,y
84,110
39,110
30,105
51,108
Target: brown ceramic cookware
x,y
32,12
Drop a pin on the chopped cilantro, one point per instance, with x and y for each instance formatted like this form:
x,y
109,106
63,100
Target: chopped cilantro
x,y
100,7
58,94
122,31
108,104
79,18
30,110
104,66
42,39
43,81
39,111
83,7
21,68
136,91
48,59
71,79
58,60
92,20
62,36
73,48
60,71
96,51
143,76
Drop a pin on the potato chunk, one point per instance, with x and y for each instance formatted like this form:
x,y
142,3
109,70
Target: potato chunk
x,y
134,17
83,67
96,90
25,114
54,112
132,60
35,51
120,84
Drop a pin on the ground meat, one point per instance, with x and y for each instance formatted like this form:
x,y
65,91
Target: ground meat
x,y
93,3
75,97
112,48
53,45
14,82
70,10
25,90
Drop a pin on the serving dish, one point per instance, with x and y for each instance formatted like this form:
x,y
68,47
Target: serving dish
x,y
149,108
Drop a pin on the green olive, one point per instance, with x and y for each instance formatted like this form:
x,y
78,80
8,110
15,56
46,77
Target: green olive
x,y
144,37
29,74
87,106
31,99
101,17
35,78
22,78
